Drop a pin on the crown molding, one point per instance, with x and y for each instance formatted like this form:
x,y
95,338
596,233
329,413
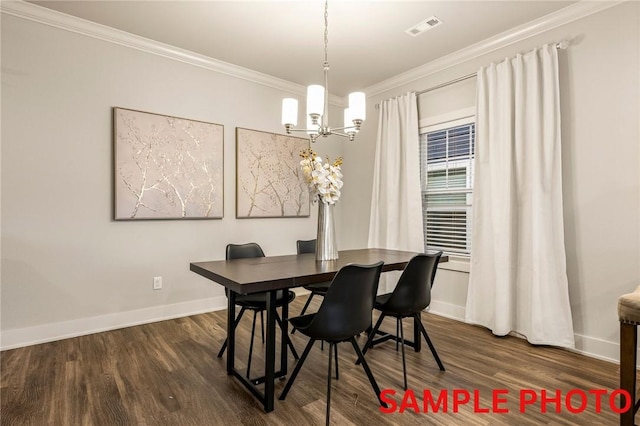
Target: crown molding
x,y
553,20
43,15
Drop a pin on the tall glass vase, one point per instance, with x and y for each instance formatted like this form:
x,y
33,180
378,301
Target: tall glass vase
x,y
326,244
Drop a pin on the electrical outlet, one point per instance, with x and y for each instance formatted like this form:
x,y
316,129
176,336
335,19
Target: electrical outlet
x,y
157,283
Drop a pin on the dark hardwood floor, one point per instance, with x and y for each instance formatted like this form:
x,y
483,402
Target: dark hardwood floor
x,y
167,373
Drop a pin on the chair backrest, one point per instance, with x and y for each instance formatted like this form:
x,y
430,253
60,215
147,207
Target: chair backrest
x,y
306,246
348,304
242,251
413,291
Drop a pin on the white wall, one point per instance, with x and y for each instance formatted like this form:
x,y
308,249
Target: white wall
x,y
67,267
600,94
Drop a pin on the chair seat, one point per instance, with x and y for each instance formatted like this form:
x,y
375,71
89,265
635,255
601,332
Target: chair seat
x,y
629,307
382,306
318,287
259,300
302,322
330,331
381,300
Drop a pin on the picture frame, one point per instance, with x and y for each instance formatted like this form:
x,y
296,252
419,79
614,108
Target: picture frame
x,y
269,181
166,167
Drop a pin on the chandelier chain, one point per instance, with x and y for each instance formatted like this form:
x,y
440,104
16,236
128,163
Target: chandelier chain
x,y
326,33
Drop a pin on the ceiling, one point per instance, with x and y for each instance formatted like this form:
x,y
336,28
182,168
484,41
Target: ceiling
x,y
367,39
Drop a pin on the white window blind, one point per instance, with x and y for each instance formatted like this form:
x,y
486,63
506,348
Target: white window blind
x,y
446,171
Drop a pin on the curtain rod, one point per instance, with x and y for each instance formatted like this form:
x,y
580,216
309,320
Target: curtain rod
x,y
447,83
560,45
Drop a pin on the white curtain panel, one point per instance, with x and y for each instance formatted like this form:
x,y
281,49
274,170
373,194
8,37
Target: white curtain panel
x,y
518,281
395,221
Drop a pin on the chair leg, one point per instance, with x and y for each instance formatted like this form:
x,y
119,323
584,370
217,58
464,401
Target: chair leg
x,y
426,337
304,308
404,364
285,335
235,324
367,371
253,333
398,320
296,370
331,346
371,336
628,347
335,348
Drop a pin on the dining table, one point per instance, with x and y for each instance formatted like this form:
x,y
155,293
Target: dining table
x,y
272,273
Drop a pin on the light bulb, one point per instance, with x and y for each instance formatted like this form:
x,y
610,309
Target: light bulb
x,y
315,99
290,112
358,106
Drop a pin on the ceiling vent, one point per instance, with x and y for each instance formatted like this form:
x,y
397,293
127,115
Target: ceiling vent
x,y
423,26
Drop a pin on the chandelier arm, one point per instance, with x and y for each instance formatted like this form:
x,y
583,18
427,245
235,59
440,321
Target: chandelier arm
x,y
343,128
301,130
348,136
344,135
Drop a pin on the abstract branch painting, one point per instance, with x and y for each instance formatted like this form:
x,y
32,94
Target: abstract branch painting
x,y
166,167
269,180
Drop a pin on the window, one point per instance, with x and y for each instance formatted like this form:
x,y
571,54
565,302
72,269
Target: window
x,y
446,173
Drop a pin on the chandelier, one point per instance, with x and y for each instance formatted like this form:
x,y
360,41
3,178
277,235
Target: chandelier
x,y
318,104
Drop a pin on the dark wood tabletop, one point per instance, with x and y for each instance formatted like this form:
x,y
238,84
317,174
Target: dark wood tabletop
x,y
261,274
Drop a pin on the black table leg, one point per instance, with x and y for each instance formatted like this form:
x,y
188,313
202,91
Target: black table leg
x,y
285,332
270,359
231,331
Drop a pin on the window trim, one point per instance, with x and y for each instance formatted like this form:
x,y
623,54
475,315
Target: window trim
x,y
451,119
457,263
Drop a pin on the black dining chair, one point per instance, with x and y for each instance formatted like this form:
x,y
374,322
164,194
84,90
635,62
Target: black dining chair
x,y
344,313
410,297
256,302
315,289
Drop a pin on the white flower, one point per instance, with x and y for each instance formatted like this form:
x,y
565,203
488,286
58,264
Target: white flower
x,y
324,179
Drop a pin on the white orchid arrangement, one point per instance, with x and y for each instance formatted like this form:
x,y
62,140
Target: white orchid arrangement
x,y
324,179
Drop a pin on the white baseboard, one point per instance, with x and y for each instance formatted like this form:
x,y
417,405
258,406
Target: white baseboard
x,y
11,339
597,348
585,345
447,310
